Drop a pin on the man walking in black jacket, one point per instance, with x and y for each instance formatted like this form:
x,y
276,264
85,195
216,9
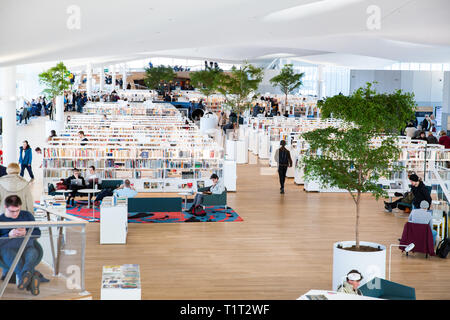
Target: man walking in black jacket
x,y
284,160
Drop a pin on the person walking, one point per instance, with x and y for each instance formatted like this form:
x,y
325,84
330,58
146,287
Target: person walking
x,y
25,158
284,160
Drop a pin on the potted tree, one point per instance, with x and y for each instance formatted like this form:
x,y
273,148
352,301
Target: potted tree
x,y
239,88
156,77
56,80
287,81
206,81
347,158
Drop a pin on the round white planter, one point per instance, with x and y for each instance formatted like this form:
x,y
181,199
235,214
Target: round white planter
x,y
370,264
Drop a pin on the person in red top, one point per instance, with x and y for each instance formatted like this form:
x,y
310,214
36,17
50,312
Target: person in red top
x,y
444,139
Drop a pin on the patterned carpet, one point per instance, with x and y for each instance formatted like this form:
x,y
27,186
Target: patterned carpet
x,y
213,214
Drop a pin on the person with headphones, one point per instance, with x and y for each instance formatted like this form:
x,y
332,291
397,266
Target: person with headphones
x,y
352,283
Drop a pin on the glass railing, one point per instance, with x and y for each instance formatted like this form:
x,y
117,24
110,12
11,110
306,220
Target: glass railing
x,y
56,257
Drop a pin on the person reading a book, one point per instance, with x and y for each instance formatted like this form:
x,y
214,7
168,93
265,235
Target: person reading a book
x,y
216,188
75,182
352,283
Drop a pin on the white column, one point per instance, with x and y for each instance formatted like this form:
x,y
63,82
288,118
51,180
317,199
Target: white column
x,y
89,79
8,112
124,76
446,101
102,77
113,72
320,82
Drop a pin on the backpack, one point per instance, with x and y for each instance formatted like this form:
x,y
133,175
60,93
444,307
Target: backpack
x,y
198,211
283,157
443,248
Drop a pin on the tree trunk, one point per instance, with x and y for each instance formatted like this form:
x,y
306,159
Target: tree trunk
x,y
285,103
358,198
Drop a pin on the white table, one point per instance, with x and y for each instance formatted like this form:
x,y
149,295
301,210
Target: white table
x,y
185,195
89,191
64,192
333,295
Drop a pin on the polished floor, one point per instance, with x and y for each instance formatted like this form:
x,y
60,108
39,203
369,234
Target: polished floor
x,y
282,249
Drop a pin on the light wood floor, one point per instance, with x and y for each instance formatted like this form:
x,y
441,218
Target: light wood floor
x,y
282,249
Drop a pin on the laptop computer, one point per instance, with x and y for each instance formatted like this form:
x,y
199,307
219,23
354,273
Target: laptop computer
x,y
76,182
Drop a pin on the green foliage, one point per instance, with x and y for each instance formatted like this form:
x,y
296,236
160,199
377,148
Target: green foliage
x,y
239,88
158,76
348,160
380,112
347,157
56,80
287,80
206,80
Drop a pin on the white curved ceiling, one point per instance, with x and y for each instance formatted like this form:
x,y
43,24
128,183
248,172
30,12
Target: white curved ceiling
x,y
323,31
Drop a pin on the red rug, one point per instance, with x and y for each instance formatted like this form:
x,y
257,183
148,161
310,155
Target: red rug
x,y
213,214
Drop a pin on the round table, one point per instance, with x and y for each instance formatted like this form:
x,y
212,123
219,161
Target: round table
x,y
89,191
185,194
64,191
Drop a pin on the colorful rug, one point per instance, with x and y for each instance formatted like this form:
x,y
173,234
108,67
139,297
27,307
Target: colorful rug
x,y
213,214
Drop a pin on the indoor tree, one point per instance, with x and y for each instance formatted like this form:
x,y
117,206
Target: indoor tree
x,y
347,157
206,81
239,87
158,76
287,80
56,81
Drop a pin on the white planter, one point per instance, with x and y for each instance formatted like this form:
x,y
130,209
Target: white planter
x,y
59,114
370,264
208,122
237,150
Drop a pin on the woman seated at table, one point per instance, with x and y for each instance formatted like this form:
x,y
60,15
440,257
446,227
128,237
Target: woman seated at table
x,y
74,183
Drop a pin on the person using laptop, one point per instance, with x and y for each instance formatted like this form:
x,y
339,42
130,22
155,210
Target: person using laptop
x,y
74,183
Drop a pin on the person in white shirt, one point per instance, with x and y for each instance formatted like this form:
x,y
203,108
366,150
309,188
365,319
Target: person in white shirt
x,y
92,178
216,188
410,130
423,216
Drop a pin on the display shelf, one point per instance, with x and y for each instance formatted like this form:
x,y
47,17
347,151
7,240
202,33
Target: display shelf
x,y
167,155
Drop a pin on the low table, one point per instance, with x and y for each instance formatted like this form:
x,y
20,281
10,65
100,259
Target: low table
x,y
185,195
64,192
89,191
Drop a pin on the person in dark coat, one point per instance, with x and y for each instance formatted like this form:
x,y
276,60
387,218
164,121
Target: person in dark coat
x,y
431,139
419,190
2,171
284,160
